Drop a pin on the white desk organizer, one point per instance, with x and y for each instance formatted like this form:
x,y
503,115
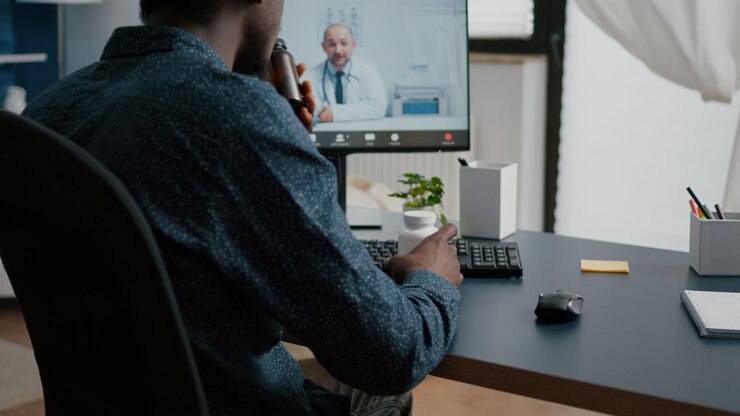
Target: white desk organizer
x,y
488,199
714,244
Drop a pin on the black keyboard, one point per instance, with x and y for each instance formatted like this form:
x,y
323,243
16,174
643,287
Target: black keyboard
x,y
478,258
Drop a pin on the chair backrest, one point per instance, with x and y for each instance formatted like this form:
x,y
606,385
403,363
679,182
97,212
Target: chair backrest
x,y
106,330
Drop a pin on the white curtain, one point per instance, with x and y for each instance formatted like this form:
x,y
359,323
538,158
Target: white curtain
x,y
694,43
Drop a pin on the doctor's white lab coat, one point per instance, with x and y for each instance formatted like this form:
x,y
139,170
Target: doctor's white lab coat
x,y
695,43
365,95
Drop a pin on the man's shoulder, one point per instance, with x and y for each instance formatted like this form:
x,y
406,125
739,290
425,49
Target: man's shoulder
x,y
235,95
198,97
242,89
246,106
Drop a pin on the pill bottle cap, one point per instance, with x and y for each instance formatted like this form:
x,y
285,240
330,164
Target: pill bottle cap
x,y
419,217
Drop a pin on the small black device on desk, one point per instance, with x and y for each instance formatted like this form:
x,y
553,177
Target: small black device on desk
x,y
477,257
558,306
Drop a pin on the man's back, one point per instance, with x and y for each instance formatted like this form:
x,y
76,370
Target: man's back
x,y
244,211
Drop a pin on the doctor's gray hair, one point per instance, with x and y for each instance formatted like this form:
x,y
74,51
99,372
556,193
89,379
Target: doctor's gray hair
x,y
199,11
351,35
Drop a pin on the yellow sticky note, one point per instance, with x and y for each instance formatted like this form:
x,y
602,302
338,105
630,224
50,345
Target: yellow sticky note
x,y
605,266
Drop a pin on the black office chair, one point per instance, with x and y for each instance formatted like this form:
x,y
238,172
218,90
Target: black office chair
x,y
88,275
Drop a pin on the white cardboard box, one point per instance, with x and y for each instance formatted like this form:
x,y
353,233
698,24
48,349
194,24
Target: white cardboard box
x,y
488,194
713,245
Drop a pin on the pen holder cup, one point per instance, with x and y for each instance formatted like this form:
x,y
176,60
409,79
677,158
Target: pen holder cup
x,y
488,194
713,245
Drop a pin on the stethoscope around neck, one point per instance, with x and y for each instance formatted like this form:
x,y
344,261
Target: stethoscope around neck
x,y
323,79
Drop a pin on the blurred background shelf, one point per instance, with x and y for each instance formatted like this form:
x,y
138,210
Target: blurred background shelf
x,y
23,58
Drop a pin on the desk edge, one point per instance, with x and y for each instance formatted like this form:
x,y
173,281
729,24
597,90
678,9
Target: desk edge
x,y
564,391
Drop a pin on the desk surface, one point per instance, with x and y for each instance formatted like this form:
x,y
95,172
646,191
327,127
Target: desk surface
x,y
634,350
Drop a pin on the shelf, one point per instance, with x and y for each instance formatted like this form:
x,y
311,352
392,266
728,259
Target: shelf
x,y
23,58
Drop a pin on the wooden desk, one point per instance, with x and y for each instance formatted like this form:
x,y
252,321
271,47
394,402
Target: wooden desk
x,y
633,351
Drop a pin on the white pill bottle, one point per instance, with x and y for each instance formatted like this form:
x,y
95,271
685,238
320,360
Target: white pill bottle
x,y
419,224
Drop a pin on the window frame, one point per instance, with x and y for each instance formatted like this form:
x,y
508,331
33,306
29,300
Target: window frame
x,y
548,39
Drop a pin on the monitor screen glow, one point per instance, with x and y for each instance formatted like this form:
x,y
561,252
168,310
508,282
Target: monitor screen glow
x,y
403,72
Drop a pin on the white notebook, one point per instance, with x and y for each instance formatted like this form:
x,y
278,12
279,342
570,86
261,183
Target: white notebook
x,y
716,314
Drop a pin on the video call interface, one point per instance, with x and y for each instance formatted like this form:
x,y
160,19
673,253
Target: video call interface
x,y
386,74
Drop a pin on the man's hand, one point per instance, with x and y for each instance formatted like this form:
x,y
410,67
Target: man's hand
x,y
305,114
326,115
434,253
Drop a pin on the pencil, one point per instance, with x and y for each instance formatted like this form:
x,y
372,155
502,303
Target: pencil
x,y
699,205
720,214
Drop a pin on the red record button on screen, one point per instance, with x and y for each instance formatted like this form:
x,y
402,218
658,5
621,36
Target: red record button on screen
x,y
448,137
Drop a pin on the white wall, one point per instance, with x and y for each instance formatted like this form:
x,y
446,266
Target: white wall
x,y
507,106
88,27
631,142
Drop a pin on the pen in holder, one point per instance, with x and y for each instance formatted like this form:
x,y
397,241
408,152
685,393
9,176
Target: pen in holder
x,y
713,245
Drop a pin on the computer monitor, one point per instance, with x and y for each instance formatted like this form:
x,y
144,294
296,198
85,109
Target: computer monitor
x,y
403,85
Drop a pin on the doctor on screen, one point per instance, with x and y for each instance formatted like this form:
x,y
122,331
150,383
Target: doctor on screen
x,y
346,88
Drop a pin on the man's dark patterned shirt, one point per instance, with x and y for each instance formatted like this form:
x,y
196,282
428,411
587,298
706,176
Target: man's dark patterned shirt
x,y
243,208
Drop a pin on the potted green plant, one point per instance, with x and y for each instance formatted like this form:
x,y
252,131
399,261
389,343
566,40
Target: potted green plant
x,y
422,193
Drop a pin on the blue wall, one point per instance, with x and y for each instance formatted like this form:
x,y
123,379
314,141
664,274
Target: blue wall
x,y
7,44
35,30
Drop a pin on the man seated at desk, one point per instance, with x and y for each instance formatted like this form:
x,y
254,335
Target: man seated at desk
x,y
347,88
244,210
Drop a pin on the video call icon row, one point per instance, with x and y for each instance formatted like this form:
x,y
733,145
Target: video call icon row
x,y
369,137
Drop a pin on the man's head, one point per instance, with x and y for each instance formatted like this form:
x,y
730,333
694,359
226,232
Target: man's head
x,y
338,45
243,32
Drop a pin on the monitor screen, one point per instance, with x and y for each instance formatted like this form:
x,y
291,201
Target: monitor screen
x,y
387,75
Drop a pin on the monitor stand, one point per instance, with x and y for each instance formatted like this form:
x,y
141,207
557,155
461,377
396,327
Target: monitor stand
x,y
358,218
364,218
